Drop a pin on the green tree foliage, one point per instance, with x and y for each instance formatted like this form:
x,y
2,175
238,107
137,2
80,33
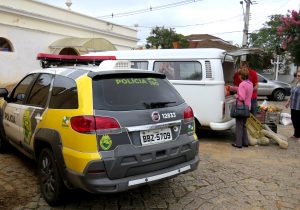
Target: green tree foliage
x,y
259,62
161,37
289,34
266,38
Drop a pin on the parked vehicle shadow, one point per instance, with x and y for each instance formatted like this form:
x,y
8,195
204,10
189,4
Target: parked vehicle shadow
x,y
216,136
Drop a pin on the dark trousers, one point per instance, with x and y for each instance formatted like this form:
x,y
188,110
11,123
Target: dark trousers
x,y
295,115
241,136
254,106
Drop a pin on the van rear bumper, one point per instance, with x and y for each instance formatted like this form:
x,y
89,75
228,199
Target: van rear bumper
x,y
222,125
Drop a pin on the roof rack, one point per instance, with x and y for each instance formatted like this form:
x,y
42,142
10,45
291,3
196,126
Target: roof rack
x,y
49,60
115,65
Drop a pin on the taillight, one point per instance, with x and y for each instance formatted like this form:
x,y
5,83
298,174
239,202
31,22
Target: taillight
x,y
88,124
106,123
83,124
188,113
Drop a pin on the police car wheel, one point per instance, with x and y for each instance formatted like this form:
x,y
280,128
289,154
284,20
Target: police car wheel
x,y
3,143
51,184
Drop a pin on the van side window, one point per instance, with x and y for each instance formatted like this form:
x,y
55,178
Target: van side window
x,y
179,70
139,65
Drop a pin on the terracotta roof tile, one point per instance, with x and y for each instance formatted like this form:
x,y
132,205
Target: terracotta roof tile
x,y
209,41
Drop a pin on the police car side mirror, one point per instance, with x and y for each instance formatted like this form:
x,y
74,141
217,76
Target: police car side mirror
x,y
20,96
3,92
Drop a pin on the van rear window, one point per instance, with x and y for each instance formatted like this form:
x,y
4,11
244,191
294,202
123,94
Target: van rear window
x,y
179,70
133,93
139,65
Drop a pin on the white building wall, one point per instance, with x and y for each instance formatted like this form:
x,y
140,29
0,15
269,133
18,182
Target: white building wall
x,y
31,26
66,29
26,45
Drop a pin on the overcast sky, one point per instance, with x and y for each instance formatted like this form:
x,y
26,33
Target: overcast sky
x,y
221,18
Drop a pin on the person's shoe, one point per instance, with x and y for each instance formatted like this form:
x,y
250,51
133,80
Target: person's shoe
x,y
234,145
245,145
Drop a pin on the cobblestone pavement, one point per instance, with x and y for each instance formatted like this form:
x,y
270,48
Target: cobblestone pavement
x,y
259,177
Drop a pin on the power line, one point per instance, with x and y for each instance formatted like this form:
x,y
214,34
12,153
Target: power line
x,y
218,33
228,32
264,17
150,9
190,25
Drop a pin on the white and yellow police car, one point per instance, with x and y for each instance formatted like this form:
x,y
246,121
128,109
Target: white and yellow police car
x,y
103,130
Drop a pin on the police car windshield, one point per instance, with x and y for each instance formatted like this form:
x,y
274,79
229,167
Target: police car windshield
x,y
134,92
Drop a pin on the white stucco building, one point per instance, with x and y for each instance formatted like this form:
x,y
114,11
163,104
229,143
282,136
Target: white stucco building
x,y
28,27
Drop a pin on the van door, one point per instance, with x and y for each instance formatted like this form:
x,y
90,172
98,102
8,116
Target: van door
x,y
228,72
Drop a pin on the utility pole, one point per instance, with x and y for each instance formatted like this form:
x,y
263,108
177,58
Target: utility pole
x,y
246,25
69,4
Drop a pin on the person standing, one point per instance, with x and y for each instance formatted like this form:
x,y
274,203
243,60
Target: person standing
x,y
294,103
254,79
166,69
243,96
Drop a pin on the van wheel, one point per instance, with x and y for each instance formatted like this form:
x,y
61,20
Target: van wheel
x,y
51,184
278,95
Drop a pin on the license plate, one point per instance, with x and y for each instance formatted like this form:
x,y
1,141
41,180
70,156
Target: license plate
x,y
155,136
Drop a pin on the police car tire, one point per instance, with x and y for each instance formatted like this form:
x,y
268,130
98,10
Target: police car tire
x,y
51,183
3,143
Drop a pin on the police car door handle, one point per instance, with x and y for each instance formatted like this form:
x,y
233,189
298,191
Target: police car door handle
x,y
38,117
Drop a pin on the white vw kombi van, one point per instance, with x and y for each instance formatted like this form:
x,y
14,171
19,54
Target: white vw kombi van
x,y
199,75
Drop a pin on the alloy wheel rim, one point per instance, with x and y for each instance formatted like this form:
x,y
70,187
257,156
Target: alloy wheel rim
x,y
47,177
280,96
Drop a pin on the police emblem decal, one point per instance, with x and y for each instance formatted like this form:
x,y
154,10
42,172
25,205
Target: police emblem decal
x,y
105,142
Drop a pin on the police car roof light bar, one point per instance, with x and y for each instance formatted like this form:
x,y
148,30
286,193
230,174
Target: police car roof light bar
x,y
48,60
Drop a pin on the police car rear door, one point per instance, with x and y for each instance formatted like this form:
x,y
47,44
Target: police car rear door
x,y
31,112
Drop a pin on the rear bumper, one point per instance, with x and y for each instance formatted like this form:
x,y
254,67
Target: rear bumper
x,y
222,125
97,183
